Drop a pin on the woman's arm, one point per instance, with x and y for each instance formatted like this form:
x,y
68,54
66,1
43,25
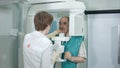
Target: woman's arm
x,y
46,58
53,34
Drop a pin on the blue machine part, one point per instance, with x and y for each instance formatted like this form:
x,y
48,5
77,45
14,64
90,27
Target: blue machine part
x,y
53,26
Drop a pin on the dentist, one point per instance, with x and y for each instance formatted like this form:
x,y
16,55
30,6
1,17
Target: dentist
x,y
37,48
75,51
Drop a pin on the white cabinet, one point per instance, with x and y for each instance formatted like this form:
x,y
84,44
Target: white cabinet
x,y
103,41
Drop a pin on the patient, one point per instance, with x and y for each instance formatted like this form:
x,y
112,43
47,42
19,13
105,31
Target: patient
x,y
75,52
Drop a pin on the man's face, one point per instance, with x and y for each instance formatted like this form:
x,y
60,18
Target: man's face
x,y
64,25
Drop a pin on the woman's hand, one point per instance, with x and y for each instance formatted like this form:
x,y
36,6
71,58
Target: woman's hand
x,y
53,34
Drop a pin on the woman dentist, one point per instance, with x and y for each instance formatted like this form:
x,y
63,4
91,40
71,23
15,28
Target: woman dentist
x,y
37,48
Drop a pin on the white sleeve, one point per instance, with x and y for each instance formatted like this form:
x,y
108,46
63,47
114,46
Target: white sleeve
x,y
82,50
46,60
26,39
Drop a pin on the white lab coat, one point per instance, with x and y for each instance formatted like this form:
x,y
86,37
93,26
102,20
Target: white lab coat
x,y
37,50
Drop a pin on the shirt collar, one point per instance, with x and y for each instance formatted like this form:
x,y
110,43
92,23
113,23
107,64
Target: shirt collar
x,y
40,34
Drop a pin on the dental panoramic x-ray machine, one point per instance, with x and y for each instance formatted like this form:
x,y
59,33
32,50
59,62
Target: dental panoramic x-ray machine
x,y
58,8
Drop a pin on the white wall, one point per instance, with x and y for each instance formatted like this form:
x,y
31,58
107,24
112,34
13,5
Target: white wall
x,y
5,20
8,39
101,4
100,47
